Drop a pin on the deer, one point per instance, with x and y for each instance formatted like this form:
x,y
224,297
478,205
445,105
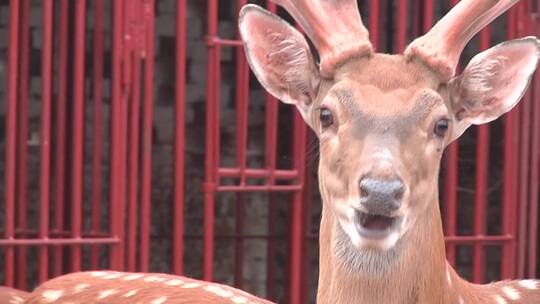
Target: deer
x,y
383,122
115,287
10,295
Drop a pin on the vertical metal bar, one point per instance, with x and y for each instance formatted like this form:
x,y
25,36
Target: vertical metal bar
x,y
133,103
179,137
212,139
296,227
418,18
374,19
401,26
270,158
11,139
242,110
116,255
450,193
297,223
535,170
45,138
133,168
307,194
78,131
148,103
22,138
129,37
482,173
97,126
524,161
60,136
509,193
428,15
534,167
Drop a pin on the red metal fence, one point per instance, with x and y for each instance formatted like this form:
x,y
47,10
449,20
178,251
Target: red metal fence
x,y
491,228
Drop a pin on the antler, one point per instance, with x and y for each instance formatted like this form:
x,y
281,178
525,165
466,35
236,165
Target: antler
x,y
441,47
334,27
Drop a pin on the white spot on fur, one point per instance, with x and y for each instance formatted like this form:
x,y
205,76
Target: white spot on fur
x,y
191,285
80,287
106,293
239,300
461,301
529,284
174,282
159,300
98,274
218,291
154,279
52,295
133,276
16,300
510,293
499,299
448,277
130,293
112,276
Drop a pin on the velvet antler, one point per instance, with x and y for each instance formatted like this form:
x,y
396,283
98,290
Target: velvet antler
x,y
441,47
334,27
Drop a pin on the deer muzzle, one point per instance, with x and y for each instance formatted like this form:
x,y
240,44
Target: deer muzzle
x,y
380,199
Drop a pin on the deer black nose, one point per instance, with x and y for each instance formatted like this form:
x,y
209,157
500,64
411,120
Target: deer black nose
x,y
380,196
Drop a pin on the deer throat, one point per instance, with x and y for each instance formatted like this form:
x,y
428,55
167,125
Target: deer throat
x,y
413,271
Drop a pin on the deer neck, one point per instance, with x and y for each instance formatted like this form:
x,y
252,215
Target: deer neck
x,y
418,273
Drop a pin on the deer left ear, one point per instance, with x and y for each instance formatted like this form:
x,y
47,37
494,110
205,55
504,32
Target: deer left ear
x,y
493,82
279,56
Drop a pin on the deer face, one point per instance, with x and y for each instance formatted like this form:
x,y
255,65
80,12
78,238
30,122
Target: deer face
x,y
383,121
381,137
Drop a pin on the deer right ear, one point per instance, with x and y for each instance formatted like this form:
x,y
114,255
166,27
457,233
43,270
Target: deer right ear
x,y
279,56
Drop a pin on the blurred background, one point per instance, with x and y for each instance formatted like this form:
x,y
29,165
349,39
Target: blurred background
x,y
134,137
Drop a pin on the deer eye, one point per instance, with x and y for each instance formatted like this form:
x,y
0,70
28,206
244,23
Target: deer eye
x,y
441,127
326,117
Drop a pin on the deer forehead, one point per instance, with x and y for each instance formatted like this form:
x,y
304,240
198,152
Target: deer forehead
x,y
387,72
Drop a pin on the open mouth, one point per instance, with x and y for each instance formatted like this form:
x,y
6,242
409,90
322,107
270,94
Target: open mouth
x,y
374,226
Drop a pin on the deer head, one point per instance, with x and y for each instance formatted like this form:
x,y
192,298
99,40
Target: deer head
x,y
382,120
